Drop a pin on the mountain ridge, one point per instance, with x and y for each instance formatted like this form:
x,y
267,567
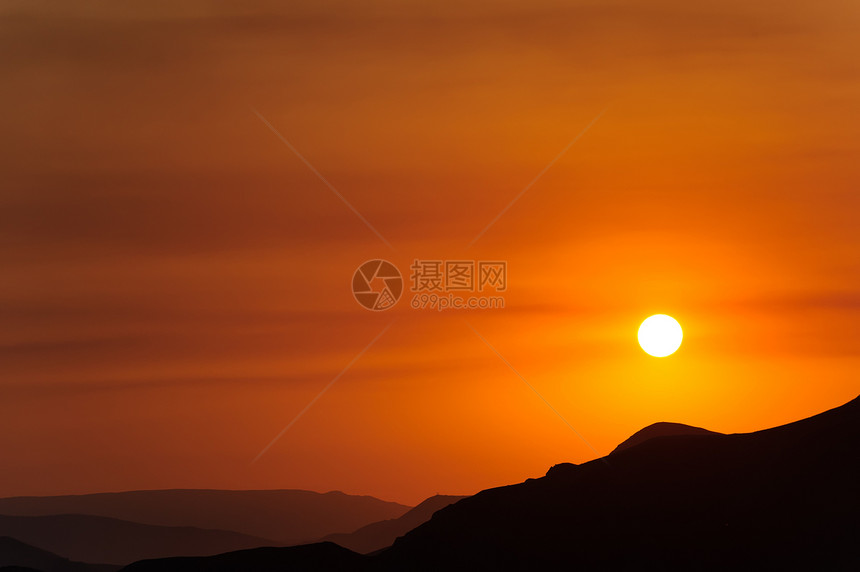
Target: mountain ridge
x,y
784,497
17,555
88,538
286,516
379,535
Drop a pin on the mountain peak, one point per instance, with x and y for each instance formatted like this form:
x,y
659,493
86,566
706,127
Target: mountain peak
x,y
661,429
561,469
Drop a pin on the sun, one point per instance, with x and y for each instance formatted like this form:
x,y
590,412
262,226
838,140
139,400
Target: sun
x,y
660,335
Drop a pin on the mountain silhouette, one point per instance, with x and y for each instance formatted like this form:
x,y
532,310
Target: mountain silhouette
x,y
19,556
286,517
382,534
320,557
112,541
662,429
782,498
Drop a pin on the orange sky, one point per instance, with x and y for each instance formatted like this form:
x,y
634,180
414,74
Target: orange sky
x,y
175,281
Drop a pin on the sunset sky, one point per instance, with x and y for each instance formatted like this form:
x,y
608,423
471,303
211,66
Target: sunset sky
x,y
175,281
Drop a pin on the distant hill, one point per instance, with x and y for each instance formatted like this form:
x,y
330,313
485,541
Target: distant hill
x,y
780,499
112,541
383,534
284,516
660,430
18,556
320,557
